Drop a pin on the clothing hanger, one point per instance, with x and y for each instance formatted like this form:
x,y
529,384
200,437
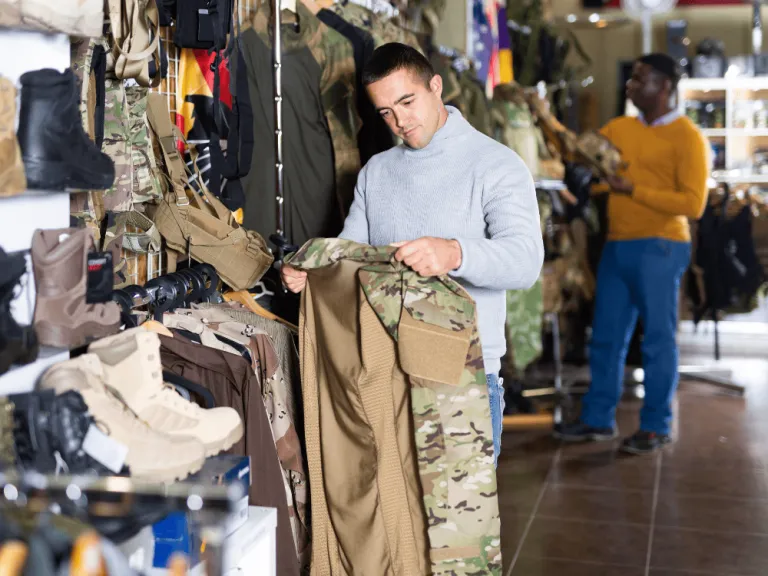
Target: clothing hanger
x,y
197,285
246,299
210,279
164,292
181,382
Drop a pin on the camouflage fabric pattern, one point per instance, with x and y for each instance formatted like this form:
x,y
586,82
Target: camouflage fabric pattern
x,y
525,320
117,146
7,425
382,30
452,423
335,56
145,185
525,312
127,142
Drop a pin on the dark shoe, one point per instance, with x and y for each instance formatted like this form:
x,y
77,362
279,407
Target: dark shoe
x,y
643,442
579,432
57,153
49,432
18,344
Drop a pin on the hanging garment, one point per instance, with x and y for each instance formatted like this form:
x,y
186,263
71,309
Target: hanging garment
x,y
278,400
374,135
382,30
476,109
397,418
320,125
525,320
281,335
514,126
233,383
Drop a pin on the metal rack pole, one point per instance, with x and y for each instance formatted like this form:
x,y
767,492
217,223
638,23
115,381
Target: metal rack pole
x,y
278,94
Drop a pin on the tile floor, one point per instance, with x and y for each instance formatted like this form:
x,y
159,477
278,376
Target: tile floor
x,y
700,507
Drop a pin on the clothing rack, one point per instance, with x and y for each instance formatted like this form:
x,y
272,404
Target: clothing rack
x,y
117,496
278,94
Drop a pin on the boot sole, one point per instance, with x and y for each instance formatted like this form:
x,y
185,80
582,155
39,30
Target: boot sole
x,y
55,176
69,337
231,439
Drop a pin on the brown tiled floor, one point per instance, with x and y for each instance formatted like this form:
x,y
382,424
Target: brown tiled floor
x,y
699,508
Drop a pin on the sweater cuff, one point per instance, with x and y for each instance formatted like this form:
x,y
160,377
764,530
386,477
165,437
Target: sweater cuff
x,y
459,272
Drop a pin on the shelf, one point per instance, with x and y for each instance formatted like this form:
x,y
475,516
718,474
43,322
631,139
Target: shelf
x,y
745,179
723,84
714,132
22,379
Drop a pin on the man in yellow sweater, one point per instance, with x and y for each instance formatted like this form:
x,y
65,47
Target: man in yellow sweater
x,y
647,252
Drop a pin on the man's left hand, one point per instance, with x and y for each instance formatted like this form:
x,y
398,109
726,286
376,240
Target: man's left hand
x,y
430,256
620,185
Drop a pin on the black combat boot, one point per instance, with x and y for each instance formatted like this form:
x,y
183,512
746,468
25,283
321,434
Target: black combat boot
x,y
49,431
18,344
57,153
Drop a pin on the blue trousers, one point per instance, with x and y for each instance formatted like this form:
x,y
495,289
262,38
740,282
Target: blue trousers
x,y
636,278
496,399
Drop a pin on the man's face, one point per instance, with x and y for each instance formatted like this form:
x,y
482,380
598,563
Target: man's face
x,y
410,108
647,87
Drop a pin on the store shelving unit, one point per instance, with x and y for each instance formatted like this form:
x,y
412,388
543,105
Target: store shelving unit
x,y
739,134
21,215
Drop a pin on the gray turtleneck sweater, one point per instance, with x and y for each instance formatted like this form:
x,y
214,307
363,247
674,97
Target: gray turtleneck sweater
x,y
463,186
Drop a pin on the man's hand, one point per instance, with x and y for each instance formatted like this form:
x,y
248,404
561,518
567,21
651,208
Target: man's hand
x,y
430,256
295,280
620,185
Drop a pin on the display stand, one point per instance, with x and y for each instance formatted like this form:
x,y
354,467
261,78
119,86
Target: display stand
x,y
21,215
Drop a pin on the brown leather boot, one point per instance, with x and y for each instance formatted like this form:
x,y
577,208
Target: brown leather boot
x,y
62,317
12,179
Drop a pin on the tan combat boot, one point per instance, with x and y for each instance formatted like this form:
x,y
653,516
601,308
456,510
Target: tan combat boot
x,y
152,456
12,179
132,366
62,317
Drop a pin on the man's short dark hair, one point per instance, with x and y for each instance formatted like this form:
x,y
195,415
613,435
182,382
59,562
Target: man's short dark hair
x,y
392,57
664,65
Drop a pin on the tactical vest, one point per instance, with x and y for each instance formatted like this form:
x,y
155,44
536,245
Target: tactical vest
x,y
397,418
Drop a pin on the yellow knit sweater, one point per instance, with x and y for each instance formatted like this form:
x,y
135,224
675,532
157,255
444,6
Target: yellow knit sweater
x,y
669,167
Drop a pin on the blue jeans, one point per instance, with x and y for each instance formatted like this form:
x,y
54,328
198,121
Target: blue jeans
x,y
496,399
636,278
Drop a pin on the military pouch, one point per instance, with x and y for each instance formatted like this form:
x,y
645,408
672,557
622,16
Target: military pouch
x,y
203,24
200,226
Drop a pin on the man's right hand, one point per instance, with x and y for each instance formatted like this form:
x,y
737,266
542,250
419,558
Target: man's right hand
x,y
295,280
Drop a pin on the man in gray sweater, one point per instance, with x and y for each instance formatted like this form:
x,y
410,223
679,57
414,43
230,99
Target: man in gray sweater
x,y
455,201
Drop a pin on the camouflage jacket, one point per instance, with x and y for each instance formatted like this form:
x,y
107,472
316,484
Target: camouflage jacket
x,y
431,327
335,56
